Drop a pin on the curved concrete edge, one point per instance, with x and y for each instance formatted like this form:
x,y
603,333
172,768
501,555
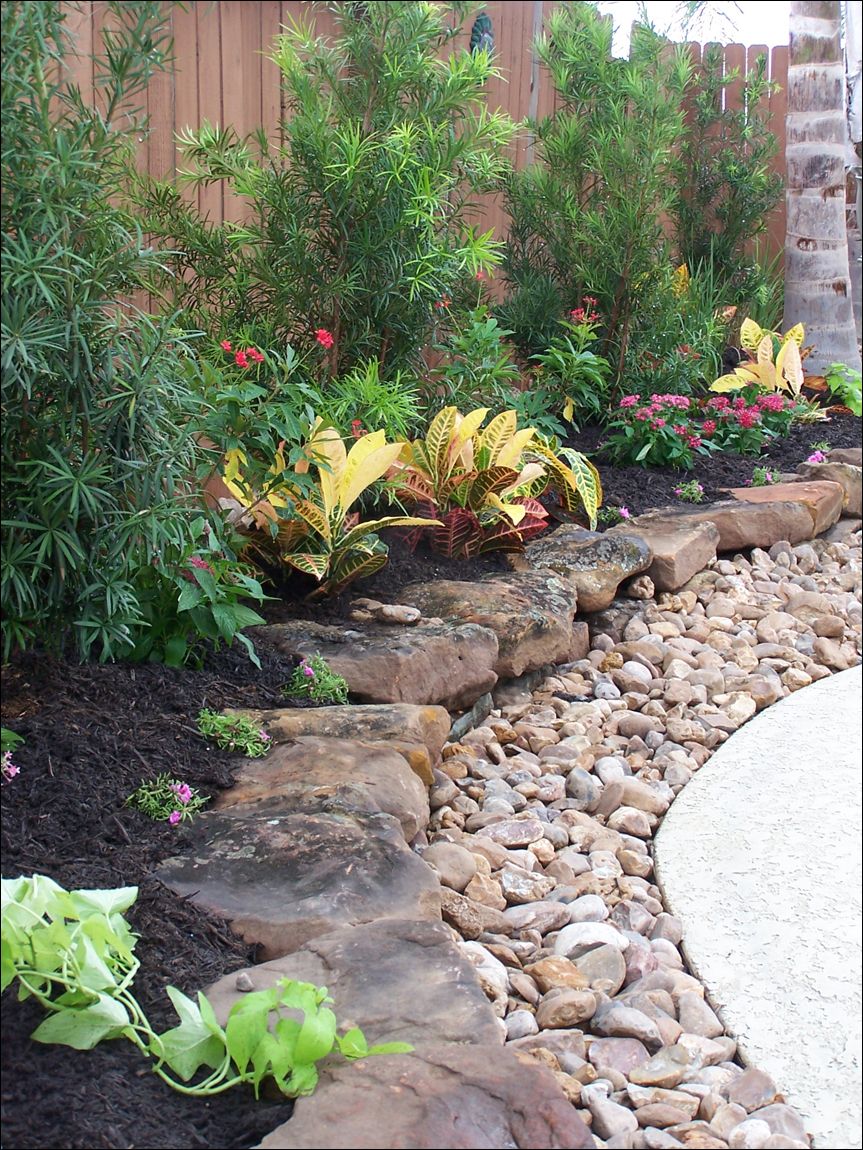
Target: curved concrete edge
x,y
760,858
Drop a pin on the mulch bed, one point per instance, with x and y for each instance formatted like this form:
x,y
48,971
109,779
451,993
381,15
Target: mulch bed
x,y
92,734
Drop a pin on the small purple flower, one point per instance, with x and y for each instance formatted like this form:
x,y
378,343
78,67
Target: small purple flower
x,y
816,457
174,817
624,512
308,671
183,792
263,736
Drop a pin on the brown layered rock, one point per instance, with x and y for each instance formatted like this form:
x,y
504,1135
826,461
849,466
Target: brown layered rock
x,y
849,478
679,550
823,500
742,525
417,733
282,879
449,663
531,613
451,1096
347,774
595,563
422,991
852,455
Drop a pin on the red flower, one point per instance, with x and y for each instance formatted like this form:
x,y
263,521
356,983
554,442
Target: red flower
x,y
225,345
324,337
747,418
657,423
693,441
254,355
708,427
443,302
240,359
480,275
680,428
357,429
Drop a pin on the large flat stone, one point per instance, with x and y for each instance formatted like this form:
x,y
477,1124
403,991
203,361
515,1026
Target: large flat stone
x,y
823,500
849,478
449,663
680,550
531,613
281,880
417,733
596,563
399,980
439,1096
351,775
743,525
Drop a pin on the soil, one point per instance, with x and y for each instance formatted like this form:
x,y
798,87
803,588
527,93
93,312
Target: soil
x,y
93,733
641,489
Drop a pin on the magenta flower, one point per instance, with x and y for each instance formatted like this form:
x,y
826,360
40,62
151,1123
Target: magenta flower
x,y
263,736
174,817
183,792
624,512
816,457
308,671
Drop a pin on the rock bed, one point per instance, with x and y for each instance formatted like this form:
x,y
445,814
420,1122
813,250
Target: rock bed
x,y
541,834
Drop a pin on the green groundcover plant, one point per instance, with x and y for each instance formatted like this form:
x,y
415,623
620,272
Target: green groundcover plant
x,y
73,952
235,733
315,679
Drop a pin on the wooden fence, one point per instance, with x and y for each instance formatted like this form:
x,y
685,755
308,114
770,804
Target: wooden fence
x,y
221,75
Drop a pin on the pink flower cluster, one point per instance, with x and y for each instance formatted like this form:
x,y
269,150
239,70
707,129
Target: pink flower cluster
x,y
184,795
816,457
201,564
325,338
243,357
7,768
587,313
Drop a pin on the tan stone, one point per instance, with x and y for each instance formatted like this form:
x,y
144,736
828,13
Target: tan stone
x,y
845,474
679,550
556,971
822,499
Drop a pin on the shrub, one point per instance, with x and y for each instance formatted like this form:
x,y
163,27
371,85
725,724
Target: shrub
x,y
574,379
97,454
725,188
481,485
357,222
586,217
309,523
476,365
662,432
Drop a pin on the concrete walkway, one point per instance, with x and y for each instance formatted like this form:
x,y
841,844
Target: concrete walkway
x,y
760,858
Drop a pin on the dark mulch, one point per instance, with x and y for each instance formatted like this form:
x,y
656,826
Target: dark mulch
x,y
93,732
641,489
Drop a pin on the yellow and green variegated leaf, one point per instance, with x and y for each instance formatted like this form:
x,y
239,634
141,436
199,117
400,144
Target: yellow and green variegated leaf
x,y
515,512
526,479
466,428
290,532
733,381
368,460
311,514
492,441
359,534
569,409
789,369
314,565
796,333
751,335
235,461
357,565
327,450
585,479
438,440
493,479
510,453
413,485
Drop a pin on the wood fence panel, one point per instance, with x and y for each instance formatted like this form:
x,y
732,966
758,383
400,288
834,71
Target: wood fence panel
x,y
778,111
221,75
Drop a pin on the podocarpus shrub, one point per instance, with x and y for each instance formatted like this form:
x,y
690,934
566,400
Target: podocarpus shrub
x,y
98,464
587,216
356,222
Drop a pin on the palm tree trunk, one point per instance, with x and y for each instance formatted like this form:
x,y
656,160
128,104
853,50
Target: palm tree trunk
x,y
817,281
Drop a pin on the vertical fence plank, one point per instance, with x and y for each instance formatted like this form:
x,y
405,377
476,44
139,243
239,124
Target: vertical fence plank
x,y
735,61
186,107
79,59
208,67
271,85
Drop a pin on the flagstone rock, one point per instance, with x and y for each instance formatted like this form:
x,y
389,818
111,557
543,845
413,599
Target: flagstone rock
x,y
351,775
847,475
822,499
742,525
417,733
679,550
281,880
438,1096
423,990
596,563
449,663
531,612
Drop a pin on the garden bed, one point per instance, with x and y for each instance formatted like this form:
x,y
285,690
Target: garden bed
x,y
93,732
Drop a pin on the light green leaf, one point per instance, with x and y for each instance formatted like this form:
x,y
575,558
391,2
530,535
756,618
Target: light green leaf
x,y
85,1028
352,1043
317,1036
247,1025
191,1044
